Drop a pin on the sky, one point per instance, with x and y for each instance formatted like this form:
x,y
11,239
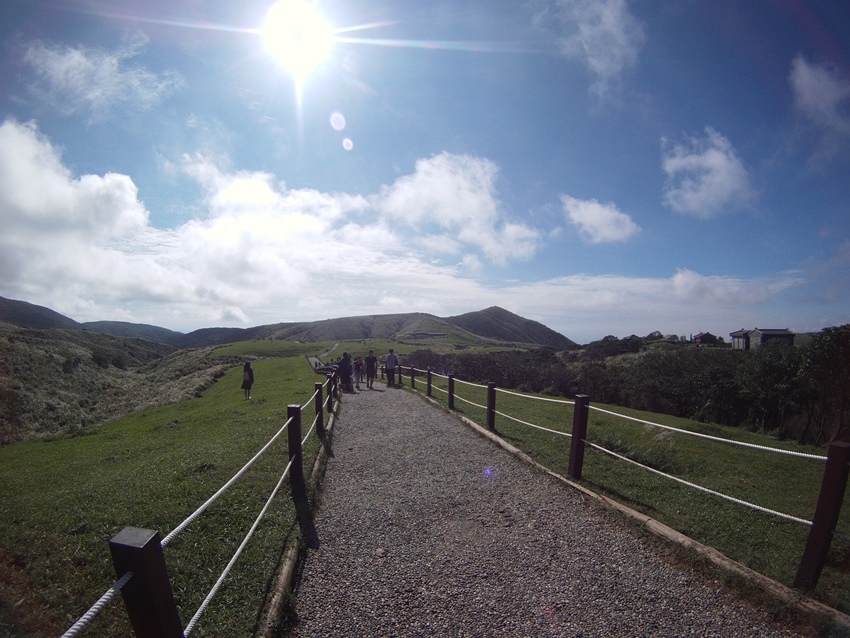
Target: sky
x,y
604,167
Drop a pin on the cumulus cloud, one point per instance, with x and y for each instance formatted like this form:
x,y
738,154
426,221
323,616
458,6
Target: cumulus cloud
x,y
456,194
599,223
706,177
79,80
262,253
602,34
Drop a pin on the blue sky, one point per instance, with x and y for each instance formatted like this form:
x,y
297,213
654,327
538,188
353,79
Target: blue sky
x,y
604,167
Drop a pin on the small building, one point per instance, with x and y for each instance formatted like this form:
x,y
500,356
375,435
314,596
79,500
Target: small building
x,y
704,339
757,337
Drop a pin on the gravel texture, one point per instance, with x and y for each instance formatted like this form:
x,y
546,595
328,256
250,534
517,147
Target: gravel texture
x,y
427,529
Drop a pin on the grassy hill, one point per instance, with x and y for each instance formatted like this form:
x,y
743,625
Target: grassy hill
x,y
493,326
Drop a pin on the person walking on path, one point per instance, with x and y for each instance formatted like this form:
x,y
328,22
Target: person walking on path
x,y
371,370
392,363
345,373
461,538
247,379
358,371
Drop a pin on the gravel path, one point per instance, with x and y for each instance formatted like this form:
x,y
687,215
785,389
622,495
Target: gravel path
x,y
428,529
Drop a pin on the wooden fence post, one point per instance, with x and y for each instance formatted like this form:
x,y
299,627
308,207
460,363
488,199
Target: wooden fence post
x,y
451,392
320,412
412,378
428,393
297,485
147,595
828,508
580,411
491,406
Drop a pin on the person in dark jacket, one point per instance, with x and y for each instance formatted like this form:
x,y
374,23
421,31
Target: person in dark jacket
x,y
344,371
247,379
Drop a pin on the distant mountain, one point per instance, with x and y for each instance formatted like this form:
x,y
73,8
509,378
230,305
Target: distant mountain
x,y
498,323
134,331
494,326
27,315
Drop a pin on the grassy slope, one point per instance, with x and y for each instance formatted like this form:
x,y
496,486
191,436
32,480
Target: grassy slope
x,y
61,501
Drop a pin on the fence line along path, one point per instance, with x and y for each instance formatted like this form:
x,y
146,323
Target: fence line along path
x,y
427,529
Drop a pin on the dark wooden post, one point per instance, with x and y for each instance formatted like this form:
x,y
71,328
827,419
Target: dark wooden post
x,y
451,392
826,515
429,383
491,406
580,411
147,595
297,485
320,412
412,378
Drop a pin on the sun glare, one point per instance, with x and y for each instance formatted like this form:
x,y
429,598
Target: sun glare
x,y
297,37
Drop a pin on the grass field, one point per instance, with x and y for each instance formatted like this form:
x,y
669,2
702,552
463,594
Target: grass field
x,y
61,500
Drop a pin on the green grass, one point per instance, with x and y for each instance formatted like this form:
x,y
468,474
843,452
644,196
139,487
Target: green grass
x,y
763,542
61,502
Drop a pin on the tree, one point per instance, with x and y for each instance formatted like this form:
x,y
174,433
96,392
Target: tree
x,y
826,371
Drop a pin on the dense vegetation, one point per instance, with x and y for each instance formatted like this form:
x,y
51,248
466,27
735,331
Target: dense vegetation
x,y
794,392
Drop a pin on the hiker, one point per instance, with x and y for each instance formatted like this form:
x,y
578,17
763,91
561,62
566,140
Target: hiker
x,y
247,379
344,371
358,371
392,362
371,370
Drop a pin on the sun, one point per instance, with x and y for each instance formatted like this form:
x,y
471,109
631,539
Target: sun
x,y
297,37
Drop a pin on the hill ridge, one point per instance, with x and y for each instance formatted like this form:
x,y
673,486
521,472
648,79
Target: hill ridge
x,y
494,325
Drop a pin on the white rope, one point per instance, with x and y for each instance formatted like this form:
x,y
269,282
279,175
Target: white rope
x,y
474,385
536,398
94,610
434,387
477,405
700,488
714,438
531,425
233,560
442,376
310,400
310,431
221,491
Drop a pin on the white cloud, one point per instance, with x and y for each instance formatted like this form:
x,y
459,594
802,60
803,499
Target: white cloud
x,y
706,177
602,34
599,223
77,80
85,247
822,98
456,194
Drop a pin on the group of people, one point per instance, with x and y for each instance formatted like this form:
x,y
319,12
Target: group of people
x,y
351,372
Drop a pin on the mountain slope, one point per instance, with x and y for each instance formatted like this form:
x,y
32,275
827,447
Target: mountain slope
x,y
498,323
134,331
27,315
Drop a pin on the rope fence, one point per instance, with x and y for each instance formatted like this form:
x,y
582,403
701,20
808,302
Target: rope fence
x,y
765,448
759,508
95,609
832,488
204,605
134,544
